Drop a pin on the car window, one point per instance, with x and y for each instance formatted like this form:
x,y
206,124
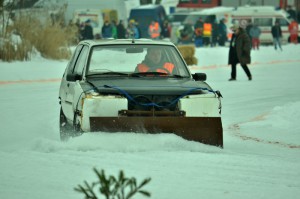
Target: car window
x,y
125,58
72,62
263,21
81,61
282,22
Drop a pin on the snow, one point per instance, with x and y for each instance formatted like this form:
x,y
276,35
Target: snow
x,y
261,122
216,10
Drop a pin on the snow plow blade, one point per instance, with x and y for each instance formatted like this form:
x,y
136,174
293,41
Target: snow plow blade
x,y
207,130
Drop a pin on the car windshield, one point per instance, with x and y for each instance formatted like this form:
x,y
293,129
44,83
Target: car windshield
x,y
136,59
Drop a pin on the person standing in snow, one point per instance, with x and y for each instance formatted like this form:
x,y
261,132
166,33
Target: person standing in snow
x,y
215,33
222,29
137,25
154,30
87,32
132,32
293,29
114,29
255,34
239,51
277,34
198,32
121,30
166,30
106,30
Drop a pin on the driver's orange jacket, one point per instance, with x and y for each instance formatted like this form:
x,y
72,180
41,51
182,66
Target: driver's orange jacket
x,y
166,67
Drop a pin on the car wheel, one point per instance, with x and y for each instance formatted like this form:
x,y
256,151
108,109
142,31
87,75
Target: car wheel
x,y
66,130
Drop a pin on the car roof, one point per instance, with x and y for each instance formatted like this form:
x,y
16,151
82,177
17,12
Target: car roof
x,y
126,41
180,13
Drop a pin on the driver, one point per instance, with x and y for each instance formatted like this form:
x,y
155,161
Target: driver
x,y
154,62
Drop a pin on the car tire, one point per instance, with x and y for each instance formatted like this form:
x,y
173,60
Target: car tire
x,y
66,130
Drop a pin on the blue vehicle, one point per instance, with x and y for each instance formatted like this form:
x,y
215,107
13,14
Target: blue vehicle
x,y
145,14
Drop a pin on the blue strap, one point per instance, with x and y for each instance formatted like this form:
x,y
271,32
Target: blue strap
x,y
154,104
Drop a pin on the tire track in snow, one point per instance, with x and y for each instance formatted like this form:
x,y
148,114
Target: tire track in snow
x,y
252,64
29,81
236,131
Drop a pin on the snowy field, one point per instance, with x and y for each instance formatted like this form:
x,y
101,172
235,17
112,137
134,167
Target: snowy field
x,y
261,121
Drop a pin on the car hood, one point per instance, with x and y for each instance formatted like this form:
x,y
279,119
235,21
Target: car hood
x,y
147,86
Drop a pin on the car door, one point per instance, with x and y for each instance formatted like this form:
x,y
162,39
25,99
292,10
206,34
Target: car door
x,y
70,86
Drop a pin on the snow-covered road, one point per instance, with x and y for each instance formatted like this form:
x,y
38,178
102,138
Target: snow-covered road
x,y
261,121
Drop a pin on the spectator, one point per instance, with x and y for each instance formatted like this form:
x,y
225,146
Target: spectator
x,y
132,31
137,25
207,32
222,32
198,31
277,34
114,29
106,30
87,32
239,51
215,33
292,12
166,30
255,34
293,29
186,34
154,30
121,31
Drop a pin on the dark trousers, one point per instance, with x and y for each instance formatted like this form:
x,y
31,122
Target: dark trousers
x,y
244,66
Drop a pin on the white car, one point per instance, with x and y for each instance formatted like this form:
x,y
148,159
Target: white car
x,y
102,91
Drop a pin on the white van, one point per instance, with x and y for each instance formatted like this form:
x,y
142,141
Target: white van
x,y
209,15
264,17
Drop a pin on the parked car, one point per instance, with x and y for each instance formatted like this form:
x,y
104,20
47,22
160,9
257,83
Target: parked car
x,y
106,87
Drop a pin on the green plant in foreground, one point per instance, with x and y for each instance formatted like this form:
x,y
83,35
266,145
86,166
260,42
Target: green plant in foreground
x,y
111,187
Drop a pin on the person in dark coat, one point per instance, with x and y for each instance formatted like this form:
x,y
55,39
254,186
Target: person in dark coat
x,y
166,30
215,33
121,30
277,34
222,30
87,32
239,51
198,32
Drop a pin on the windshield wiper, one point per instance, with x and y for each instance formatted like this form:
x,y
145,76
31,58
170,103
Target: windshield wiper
x,y
108,73
177,76
151,74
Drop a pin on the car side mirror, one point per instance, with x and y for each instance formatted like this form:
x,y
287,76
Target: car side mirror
x,y
199,76
73,77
